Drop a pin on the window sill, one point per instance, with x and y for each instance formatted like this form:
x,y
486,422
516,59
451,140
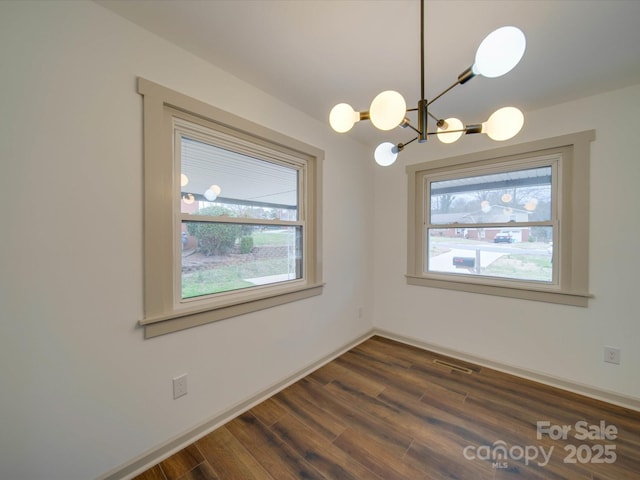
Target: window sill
x,y
576,299
157,325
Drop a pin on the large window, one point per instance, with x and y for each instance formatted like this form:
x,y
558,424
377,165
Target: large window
x,y
239,223
232,214
511,222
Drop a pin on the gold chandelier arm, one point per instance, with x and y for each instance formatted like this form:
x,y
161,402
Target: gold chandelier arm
x,y
463,78
402,145
414,129
468,130
433,116
443,92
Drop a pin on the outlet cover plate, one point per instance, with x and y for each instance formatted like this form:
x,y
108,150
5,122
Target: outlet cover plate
x,y
180,386
612,355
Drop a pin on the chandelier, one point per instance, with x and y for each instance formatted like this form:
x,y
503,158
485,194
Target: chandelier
x,y
498,54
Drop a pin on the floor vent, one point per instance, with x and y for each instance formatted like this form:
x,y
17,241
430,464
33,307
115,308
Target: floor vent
x,y
453,366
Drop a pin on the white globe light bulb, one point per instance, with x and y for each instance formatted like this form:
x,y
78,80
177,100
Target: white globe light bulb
x,y
342,117
531,205
499,52
451,124
385,154
210,195
387,110
215,189
503,124
184,180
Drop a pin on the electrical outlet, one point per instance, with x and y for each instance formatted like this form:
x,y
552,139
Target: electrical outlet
x,y
612,355
180,386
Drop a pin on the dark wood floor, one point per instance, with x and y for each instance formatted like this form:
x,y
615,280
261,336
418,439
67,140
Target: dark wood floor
x,y
385,410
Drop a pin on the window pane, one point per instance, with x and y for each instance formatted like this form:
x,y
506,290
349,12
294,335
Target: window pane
x,y
221,257
244,186
514,253
515,196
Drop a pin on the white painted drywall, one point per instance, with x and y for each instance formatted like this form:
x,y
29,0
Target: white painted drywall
x,y
559,341
82,392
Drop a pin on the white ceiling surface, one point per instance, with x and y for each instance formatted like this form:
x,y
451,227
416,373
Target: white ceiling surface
x,y
313,54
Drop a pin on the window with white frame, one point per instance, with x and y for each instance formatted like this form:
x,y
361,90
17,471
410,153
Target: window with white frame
x,y
232,214
511,221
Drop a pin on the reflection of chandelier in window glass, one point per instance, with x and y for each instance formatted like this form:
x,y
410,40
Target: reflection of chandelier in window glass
x,y
243,184
520,195
212,192
531,205
186,197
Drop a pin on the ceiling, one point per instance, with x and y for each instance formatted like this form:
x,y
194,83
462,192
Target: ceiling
x,y
313,54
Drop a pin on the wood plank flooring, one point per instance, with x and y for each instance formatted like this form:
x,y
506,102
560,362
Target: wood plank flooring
x,y
386,411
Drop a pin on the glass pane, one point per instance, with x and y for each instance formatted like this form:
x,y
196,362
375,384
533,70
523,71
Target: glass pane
x,y
514,253
243,186
221,257
517,196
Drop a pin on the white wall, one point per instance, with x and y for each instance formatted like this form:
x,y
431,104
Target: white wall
x,y
82,392
553,340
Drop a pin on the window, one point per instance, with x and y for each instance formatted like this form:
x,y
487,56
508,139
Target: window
x,y
232,214
511,221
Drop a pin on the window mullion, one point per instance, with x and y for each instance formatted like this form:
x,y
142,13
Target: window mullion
x,y
186,217
510,225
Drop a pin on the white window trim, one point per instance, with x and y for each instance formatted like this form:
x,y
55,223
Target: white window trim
x,y
163,314
571,288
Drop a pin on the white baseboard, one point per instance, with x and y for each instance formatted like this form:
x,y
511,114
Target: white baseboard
x,y
564,384
166,449
157,454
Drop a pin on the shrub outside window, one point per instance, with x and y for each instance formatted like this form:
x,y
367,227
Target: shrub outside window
x,y
511,221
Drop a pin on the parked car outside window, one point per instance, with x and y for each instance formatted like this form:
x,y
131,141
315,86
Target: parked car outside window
x,y
503,238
